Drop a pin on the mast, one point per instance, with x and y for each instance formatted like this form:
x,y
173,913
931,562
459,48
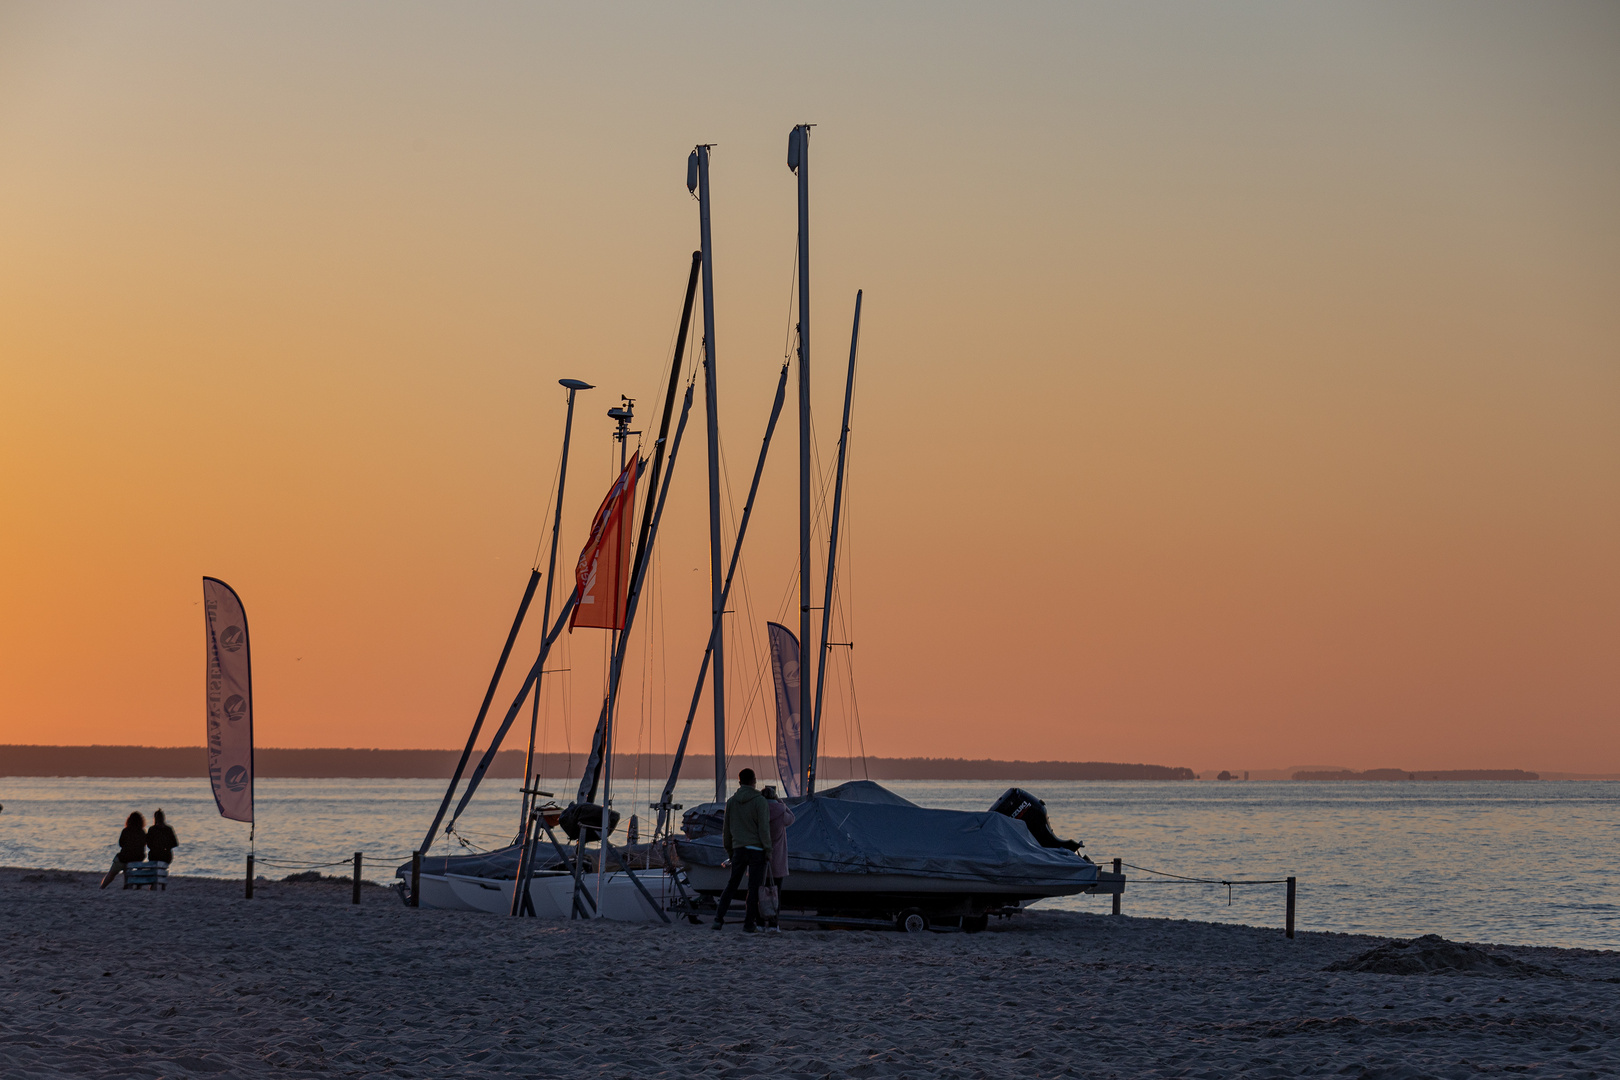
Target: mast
x,y
665,806
483,711
697,179
832,552
669,407
621,417
573,386
588,782
632,603
511,637
799,162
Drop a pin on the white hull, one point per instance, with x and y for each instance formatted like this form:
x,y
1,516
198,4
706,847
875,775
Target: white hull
x,y
552,894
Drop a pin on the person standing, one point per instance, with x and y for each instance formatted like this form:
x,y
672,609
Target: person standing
x,y
747,839
131,847
781,818
160,840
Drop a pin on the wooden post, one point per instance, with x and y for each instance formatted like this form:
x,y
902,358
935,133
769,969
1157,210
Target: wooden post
x,y
1290,930
1117,866
356,899
249,893
416,879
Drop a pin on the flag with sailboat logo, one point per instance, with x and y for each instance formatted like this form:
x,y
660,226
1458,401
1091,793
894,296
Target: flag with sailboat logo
x,y
785,673
229,696
603,573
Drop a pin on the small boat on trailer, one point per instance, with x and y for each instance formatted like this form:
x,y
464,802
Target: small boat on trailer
x,y
859,853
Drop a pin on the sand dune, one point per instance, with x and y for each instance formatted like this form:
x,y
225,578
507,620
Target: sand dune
x,y
297,982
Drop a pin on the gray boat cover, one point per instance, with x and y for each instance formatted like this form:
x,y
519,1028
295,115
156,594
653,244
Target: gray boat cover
x,y
864,791
877,832
710,817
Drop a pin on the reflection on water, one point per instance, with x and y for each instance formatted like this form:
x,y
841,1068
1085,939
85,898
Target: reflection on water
x,y
1524,863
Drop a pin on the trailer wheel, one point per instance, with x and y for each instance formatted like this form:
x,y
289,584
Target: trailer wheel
x,y
912,921
972,924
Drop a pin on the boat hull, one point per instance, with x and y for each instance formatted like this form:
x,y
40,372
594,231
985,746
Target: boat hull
x,y
552,894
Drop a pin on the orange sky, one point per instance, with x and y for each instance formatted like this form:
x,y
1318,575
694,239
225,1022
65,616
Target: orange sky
x,y
1240,386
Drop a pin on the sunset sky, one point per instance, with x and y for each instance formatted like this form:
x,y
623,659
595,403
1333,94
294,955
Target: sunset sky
x,y
1239,387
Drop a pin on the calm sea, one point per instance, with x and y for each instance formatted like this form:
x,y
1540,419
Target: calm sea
x,y
1516,863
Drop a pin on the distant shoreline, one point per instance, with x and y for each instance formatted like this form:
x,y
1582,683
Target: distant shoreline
x,y
331,763
362,764
1430,774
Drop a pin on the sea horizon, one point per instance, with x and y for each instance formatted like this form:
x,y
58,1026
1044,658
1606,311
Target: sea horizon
x,y
1390,858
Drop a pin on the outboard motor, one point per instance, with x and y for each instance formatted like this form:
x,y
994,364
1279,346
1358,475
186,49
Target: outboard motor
x,y
587,818
1022,806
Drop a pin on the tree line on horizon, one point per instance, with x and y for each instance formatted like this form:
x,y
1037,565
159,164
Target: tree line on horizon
x,y
334,763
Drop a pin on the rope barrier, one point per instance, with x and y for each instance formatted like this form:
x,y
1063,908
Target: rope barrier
x,y
1179,879
279,865
301,866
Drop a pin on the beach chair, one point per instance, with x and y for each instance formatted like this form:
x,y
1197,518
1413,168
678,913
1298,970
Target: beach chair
x,y
153,875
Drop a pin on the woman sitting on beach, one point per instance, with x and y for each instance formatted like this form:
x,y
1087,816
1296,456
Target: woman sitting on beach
x,y
131,847
160,840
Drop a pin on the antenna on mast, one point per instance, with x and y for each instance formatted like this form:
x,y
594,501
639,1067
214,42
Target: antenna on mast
x,y
622,415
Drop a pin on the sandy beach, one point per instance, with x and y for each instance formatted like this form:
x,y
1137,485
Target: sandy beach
x,y
297,982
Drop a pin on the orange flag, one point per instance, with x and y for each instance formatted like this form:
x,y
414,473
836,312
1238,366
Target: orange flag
x,y
603,573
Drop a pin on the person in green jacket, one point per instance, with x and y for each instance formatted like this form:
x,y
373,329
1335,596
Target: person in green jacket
x,y
747,839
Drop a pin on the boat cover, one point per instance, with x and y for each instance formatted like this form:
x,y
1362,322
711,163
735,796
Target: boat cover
x,y
863,835
864,791
502,863
710,817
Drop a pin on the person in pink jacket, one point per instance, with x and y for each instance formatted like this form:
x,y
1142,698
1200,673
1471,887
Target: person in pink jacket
x,y
781,818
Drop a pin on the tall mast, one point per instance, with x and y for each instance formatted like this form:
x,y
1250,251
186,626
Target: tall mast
x,y
697,179
593,763
616,667
669,408
506,652
621,415
664,804
832,552
573,386
799,162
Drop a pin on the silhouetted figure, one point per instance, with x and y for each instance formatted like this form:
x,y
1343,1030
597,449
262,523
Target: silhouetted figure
x,y
131,847
160,840
747,838
781,818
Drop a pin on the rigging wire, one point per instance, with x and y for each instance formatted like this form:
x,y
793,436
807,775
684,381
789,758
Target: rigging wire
x,y
551,500
744,645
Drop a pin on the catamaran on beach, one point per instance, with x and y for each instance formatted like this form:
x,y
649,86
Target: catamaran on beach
x,y
858,853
